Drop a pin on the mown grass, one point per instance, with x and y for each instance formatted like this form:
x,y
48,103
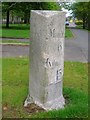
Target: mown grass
x,y
23,31
68,34
16,31
15,74
76,75
81,27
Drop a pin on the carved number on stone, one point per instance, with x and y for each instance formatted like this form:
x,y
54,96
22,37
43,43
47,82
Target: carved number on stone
x,y
58,74
52,32
59,47
48,63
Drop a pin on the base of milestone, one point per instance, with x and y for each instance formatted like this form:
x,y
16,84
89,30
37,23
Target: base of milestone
x,y
50,105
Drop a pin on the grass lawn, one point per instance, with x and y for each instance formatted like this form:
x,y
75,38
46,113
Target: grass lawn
x,y
23,31
81,27
16,31
68,33
15,89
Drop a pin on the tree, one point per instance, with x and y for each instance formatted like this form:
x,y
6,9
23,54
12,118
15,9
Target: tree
x,y
50,6
81,11
7,7
23,9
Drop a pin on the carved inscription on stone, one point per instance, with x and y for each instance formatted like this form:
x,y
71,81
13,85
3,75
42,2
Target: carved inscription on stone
x,y
58,74
59,47
48,62
51,63
52,32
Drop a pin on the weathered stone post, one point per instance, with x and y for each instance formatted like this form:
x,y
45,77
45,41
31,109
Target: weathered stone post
x,y
46,59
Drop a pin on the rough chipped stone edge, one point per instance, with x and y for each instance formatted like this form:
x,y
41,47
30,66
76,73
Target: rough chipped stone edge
x,y
51,105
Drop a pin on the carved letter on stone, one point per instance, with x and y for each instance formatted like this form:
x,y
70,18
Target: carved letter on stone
x,y
48,63
60,47
58,74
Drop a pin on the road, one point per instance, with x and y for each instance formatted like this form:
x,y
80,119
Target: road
x,y
76,49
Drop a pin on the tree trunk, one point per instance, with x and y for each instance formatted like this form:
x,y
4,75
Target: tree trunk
x,y
7,20
25,18
88,21
83,21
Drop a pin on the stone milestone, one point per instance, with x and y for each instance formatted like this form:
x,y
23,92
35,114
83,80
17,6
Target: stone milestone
x,y
47,29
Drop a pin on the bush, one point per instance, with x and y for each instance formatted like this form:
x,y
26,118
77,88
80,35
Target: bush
x,y
79,22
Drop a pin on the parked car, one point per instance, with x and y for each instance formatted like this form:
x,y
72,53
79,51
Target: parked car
x,y
67,23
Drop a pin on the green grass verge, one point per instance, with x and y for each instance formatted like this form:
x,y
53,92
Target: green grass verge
x,y
15,74
81,27
16,31
23,31
76,75
68,34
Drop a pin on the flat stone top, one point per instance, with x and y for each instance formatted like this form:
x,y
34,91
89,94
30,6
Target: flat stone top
x,y
47,13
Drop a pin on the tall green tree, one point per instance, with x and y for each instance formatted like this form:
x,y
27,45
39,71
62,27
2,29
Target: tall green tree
x,y
23,8
6,8
81,11
50,6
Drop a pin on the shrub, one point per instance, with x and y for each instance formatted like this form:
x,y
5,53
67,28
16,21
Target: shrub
x,y
79,22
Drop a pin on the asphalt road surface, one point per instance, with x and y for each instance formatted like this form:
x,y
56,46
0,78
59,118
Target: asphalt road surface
x,y
76,49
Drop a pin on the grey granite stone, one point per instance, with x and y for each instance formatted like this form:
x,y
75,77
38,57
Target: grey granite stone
x,y
47,29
